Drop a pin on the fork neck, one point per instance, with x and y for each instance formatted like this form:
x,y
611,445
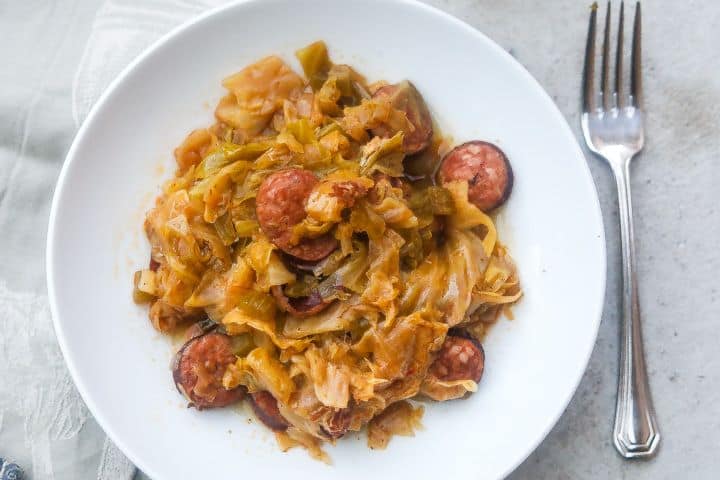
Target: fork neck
x,y
619,159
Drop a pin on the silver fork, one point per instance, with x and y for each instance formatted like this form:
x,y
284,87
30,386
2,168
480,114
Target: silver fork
x,y
613,129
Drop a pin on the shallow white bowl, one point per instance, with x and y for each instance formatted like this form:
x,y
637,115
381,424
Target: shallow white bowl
x,y
552,225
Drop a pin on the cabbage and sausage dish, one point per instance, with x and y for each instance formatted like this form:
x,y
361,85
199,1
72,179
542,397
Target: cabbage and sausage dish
x,y
327,254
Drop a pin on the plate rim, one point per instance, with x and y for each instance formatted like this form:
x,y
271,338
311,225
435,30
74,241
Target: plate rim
x,y
60,186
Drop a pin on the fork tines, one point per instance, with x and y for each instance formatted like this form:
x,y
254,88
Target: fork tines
x,y
611,99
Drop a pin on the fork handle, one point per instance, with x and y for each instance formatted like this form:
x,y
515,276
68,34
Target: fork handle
x,y
636,434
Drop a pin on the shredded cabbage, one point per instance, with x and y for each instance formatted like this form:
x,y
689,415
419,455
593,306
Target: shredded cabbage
x,y
269,268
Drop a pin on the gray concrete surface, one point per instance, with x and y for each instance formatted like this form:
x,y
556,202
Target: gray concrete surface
x,y
677,218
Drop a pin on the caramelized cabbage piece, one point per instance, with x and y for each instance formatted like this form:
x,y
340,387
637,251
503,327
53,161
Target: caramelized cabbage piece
x,y
390,204
364,218
298,136
426,202
256,92
401,348
245,228
343,87
193,148
454,270
257,320
315,63
294,437
400,418
384,155
384,273
225,229
348,277
357,120
260,370
329,97
468,215
442,391
146,287
335,193
331,379
257,305
209,291
269,268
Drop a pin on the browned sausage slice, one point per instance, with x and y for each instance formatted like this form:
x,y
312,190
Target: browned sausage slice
x,y
266,408
280,205
299,307
486,169
405,97
459,359
198,369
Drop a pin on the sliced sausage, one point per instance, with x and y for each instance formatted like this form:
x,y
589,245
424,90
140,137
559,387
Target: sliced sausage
x,y
486,169
459,359
281,205
198,369
266,409
299,307
405,97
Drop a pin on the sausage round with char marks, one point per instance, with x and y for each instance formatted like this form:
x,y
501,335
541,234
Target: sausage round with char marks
x,y
280,205
486,169
405,97
266,409
198,370
459,358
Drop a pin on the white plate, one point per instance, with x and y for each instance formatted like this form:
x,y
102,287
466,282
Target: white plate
x,y
552,225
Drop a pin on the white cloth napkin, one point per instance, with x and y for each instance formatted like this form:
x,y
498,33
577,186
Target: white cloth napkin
x,y
121,31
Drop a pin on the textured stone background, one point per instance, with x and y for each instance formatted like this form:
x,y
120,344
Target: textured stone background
x,y
44,425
